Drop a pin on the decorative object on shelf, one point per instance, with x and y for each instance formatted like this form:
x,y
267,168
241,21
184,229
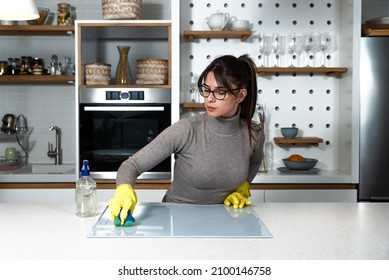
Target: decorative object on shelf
x,y
289,132
121,9
10,155
63,14
123,70
282,141
18,10
97,73
9,123
218,20
306,164
44,14
152,71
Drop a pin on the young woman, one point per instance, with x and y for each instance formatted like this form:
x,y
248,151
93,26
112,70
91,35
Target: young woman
x,y
216,153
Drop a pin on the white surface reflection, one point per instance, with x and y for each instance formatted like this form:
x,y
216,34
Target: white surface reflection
x,y
184,220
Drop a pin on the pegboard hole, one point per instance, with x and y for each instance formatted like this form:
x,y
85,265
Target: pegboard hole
x,y
276,125
328,108
294,5
328,143
311,91
191,5
294,108
277,5
328,125
277,91
191,22
225,5
310,108
328,91
312,22
311,125
209,5
311,5
276,108
260,5
294,91
243,5
191,57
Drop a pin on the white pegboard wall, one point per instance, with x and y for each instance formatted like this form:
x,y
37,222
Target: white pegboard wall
x,y
309,102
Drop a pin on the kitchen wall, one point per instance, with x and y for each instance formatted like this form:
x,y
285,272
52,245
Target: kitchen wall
x,y
48,105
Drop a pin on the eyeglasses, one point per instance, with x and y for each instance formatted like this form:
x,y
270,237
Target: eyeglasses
x,y
218,93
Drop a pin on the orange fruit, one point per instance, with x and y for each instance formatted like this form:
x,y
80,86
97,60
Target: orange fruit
x,y
296,157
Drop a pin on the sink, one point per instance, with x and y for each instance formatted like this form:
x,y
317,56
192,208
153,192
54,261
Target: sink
x,y
47,169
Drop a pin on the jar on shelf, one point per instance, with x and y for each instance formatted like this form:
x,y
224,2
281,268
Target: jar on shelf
x,y
64,14
37,68
13,66
25,65
3,67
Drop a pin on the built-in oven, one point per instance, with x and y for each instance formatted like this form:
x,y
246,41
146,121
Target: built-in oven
x,y
116,123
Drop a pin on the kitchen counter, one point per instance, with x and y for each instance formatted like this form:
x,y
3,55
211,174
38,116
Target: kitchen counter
x,y
300,231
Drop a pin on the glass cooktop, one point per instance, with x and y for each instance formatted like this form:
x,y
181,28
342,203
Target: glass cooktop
x,y
184,220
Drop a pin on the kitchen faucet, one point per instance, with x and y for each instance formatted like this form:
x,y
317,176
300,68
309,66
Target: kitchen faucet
x,y
57,152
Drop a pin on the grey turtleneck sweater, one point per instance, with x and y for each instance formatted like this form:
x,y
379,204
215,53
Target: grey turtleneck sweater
x,y
212,158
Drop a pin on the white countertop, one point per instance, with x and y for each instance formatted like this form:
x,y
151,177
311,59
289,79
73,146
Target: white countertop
x,y
300,231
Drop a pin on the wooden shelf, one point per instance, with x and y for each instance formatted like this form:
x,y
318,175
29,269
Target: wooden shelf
x,y
192,105
313,141
242,34
375,30
35,30
37,79
329,71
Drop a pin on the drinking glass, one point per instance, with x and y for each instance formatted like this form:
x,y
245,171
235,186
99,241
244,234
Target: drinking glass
x,y
277,47
324,42
264,48
308,47
292,46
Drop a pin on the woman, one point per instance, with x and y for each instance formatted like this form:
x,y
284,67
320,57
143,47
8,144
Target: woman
x,y
216,153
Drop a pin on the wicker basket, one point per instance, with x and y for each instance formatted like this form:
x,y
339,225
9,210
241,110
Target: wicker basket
x,y
152,71
122,9
97,73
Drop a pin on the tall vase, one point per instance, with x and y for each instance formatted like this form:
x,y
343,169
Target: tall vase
x,y
123,71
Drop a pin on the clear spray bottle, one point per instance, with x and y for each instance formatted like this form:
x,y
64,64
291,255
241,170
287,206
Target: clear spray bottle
x,y
85,193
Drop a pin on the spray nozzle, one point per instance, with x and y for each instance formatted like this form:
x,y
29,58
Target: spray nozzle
x,y
85,168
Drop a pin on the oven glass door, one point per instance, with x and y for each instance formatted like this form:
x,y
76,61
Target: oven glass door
x,y
109,134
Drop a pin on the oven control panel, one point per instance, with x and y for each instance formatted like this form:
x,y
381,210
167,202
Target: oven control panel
x,y
120,95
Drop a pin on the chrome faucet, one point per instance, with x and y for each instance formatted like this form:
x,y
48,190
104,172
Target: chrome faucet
x,y
57,152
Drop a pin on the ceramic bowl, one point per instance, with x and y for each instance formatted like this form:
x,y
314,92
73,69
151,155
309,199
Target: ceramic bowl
x,y
307,164
240,24
289,132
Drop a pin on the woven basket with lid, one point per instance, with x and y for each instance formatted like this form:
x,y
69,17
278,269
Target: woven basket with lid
x,y
152,71
121,9
97,73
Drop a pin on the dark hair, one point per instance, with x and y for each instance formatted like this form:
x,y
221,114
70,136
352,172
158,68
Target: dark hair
x,y
241,72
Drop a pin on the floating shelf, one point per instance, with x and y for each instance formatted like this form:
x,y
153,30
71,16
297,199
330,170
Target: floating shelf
x,y
35,79
375,30
313,141
35,30
242,34
192,105
329,71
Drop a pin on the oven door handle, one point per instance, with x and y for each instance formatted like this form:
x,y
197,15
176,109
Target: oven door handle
x,y
124,108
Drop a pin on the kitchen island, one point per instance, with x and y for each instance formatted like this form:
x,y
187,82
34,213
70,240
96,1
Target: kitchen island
x,y
319,231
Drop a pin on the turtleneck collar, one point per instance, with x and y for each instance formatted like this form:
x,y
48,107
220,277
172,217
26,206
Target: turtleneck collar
x,y
224,125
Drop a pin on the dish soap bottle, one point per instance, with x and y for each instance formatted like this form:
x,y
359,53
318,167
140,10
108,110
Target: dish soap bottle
x,y
85,193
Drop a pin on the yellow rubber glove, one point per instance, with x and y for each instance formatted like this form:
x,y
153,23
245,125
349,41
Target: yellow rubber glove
x,y
124,200
239,198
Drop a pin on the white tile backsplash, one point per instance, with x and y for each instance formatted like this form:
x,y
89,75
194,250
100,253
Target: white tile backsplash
x,y
53,105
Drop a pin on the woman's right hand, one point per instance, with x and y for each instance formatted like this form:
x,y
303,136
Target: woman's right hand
x,y
124,200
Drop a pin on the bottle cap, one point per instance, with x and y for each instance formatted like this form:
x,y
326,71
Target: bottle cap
x,y
85,168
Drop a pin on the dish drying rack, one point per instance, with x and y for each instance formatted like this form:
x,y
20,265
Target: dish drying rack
x,y
22,135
